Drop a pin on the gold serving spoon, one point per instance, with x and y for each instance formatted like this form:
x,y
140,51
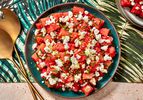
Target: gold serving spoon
x,y
10,23
6,49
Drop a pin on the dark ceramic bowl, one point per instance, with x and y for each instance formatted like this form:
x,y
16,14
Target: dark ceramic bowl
x,y
66,7
125,11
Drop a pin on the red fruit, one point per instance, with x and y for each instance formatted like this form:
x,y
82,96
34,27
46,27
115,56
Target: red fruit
x,y
48,37
99,22
71,46
83,45
136,9
107,63
57,15
82,59
74,35
52,27
63,33
35,57
70,79
87,76
112,51
39,25
39,40
125,3
75,87
43,20
76,10
59,85
41,47
104,31
59,47
87,89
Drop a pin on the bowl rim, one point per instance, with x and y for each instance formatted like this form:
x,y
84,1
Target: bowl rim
x,y
123,13
85,5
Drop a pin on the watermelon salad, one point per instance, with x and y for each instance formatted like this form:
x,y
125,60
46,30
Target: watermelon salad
x,y
72,50
136,6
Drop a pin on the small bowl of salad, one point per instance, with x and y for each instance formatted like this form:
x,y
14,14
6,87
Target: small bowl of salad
x,y
72,50
132,10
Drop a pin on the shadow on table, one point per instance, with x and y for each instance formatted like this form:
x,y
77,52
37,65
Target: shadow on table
x,y
110,87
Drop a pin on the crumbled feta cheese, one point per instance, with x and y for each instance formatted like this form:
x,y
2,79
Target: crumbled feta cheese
x,y
70,14
141,3
132,3
61,19
137,8
47,49
93,81
103,70
52,19
36,31
104,40
43,57
70,84
70,25
78,56
93,42
87,51
90,23
107,57
79,17
86,12
52,81
48,22
100,78
59,80
43,74
77,42
42,64
77,77
96,31
47,42
66,39
83,66
82,34
66,58
75,66
97,58
63,88
66,46
59,62
98,36
39,53
85,18
34,46
43,30
98,68
53,34
64,75
74,60
71,52
70,30
56,67
66,19
101,65
97,74
142,6
54,52
92,51
104,47
88,61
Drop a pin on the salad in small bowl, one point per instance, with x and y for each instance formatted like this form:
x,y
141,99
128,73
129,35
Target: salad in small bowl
x,y
72,50
132,10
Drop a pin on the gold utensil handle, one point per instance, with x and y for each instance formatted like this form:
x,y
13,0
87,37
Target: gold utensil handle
x,y
24,71
35,90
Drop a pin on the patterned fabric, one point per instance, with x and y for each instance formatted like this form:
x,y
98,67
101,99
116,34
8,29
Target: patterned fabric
x,y
131,64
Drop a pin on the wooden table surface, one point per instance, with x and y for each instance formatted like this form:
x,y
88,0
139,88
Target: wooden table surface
x,y
113,91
